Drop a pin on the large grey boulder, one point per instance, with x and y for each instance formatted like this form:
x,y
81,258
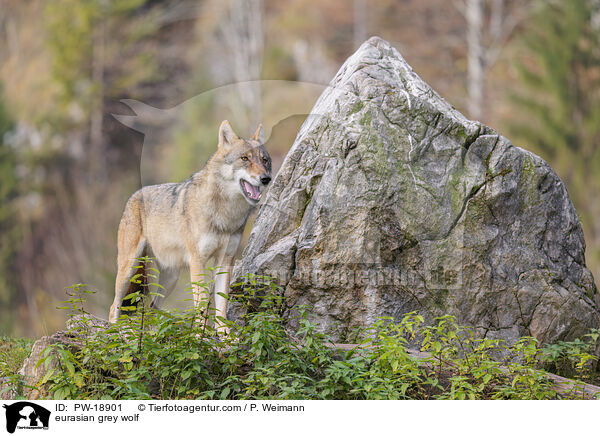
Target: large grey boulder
x,y
391,201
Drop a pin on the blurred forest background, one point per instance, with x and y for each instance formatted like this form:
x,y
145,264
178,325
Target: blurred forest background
x,y
530,69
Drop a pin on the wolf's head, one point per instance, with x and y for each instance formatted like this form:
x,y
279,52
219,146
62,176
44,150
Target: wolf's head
x,y
248,161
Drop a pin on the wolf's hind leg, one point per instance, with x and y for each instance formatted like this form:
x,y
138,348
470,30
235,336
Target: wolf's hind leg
x,y
131,245
126,270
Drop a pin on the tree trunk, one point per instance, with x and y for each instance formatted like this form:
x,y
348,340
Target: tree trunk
x,y
475,76
243,34
97,158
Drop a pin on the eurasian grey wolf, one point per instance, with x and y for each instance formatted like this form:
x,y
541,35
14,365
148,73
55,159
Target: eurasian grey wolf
x,y
186,224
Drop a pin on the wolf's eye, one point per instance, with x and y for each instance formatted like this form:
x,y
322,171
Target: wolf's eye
x,y
265,160
245,158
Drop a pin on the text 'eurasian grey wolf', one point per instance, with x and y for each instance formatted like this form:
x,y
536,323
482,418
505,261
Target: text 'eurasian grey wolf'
x,y
186,224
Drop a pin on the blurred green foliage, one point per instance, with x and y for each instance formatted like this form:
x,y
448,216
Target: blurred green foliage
x,y
557,102
9,231
97,44
12,354
86,54
560,74
194,138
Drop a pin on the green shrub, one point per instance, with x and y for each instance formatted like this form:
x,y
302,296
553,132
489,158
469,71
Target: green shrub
x,y
573,359
178,355
13,353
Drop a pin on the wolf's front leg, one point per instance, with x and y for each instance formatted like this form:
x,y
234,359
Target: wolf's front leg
x,y
222,278
198,275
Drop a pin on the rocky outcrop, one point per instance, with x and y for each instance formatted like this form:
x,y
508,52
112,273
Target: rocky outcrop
x,y
391,201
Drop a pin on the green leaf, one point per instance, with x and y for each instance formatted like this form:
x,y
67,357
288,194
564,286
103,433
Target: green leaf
x,y
225,392
78,380
47,376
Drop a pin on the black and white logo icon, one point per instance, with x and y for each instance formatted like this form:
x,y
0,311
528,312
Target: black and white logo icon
x,y
26,415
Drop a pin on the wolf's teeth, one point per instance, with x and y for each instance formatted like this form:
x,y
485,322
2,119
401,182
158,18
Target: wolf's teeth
x,y
250,190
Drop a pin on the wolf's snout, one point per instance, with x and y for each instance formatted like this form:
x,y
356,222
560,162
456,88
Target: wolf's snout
x,y
265,180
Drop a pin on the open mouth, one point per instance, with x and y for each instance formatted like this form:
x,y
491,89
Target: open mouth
x,y
250,191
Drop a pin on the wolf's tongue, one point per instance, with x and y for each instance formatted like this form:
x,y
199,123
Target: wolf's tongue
x,y
252,190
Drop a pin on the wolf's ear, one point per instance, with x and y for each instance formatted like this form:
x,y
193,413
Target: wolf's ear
x,y
259,135
226,134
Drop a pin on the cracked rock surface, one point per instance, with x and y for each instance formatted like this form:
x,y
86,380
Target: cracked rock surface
x,y
391,201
